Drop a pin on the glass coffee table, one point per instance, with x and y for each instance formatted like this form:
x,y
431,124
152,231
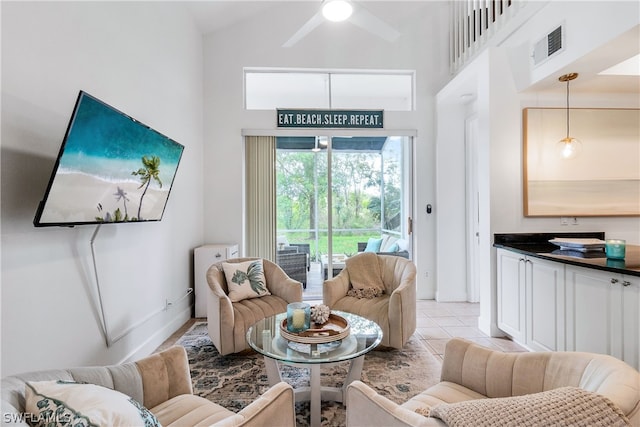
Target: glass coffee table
x,y
264,337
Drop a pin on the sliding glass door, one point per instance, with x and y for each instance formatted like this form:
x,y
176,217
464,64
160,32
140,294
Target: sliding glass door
x,y
369,201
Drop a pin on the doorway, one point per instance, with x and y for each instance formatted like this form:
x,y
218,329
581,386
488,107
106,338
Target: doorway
x,y
472,209
335,194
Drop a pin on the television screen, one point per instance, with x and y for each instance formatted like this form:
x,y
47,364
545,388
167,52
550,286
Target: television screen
x,y
110,169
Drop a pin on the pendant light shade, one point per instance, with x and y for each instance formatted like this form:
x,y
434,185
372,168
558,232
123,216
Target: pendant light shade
x,y
568,147
337,10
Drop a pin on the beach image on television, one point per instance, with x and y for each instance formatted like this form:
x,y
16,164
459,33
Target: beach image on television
x,y
112,168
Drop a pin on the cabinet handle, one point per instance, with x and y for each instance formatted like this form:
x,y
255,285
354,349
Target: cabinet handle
x,y
218,255
626,283
614,281
522,260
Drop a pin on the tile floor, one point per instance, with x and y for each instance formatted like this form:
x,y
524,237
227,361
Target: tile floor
x,y
437,322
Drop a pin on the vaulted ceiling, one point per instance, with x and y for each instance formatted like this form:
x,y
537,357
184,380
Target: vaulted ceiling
x,y
216,15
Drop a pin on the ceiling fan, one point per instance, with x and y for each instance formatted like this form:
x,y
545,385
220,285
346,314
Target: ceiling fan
x,y
340,10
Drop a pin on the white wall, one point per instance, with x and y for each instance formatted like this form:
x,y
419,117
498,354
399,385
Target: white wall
x,y
423,47
144,58
583,36
502,85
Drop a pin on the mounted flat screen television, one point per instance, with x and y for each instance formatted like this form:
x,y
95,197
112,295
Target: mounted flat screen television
x,y
110,169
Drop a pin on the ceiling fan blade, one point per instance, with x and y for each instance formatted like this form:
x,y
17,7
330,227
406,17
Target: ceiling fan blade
x,y
370,22
308,26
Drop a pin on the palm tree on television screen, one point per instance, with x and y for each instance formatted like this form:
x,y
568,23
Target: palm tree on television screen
x,y
151,170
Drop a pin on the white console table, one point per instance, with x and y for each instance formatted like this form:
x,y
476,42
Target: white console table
x,y
203,257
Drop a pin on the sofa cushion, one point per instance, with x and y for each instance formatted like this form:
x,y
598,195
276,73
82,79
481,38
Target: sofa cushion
x,y
561,406
393,248
373,245
245,280
443,392
190,410
75,403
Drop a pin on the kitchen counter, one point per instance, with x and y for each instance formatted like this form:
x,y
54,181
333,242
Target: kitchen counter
x,y
537,245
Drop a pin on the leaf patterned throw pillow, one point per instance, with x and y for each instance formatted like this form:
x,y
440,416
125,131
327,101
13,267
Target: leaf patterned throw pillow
x,y
245,280
68,403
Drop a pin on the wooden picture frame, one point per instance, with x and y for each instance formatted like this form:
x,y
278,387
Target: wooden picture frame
x,y
604,180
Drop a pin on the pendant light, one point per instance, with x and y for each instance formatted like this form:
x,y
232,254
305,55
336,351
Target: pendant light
x,y
568,147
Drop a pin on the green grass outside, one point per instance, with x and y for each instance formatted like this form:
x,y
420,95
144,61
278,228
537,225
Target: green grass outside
x,y
342,244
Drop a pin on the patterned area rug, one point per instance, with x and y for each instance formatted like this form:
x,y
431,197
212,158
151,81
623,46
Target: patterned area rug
x,y
234,381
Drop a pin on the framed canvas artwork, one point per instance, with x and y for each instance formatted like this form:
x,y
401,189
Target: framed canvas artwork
x,y
603,180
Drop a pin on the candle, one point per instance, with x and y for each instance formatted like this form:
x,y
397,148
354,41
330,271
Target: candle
x,y
615,248
298,316
297,319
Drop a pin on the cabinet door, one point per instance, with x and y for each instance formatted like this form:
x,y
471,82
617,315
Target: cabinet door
x,y
631,320
545,305
511,294
593,311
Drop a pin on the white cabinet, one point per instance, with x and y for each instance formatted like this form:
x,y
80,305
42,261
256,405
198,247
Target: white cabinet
x,y
531,300
545,306
603,315
203,257
511,294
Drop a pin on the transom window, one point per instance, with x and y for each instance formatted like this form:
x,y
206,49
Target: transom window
x,y
289,88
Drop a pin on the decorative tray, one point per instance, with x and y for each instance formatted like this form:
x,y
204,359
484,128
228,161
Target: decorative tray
x,y
582,245
334,329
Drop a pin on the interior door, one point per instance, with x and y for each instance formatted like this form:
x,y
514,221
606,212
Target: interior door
x,y
473,209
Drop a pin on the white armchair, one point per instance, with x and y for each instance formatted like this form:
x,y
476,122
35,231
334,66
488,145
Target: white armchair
x,y
394,311
228,321
162,383
537,388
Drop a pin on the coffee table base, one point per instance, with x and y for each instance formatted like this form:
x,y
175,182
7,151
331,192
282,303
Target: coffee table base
x,y
316,393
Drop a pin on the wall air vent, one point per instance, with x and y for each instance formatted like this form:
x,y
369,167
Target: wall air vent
x,y
549,45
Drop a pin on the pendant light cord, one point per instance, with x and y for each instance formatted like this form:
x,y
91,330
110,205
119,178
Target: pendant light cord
x,y
567,109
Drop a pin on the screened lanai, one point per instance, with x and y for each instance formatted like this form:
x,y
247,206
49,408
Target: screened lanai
x,y
368,178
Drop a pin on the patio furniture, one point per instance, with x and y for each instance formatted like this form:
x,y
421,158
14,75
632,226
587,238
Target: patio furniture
x,y
293,263
337,264
388,245
304,248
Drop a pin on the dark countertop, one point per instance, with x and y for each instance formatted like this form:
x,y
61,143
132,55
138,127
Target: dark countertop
x,y
537,245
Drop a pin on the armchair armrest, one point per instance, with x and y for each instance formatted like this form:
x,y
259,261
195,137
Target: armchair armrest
x,y
402,309
280,284
274,408
367,409
220,316
165,375
335,288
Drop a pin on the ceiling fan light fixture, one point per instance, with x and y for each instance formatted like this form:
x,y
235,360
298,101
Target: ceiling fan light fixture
x,y
337,10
